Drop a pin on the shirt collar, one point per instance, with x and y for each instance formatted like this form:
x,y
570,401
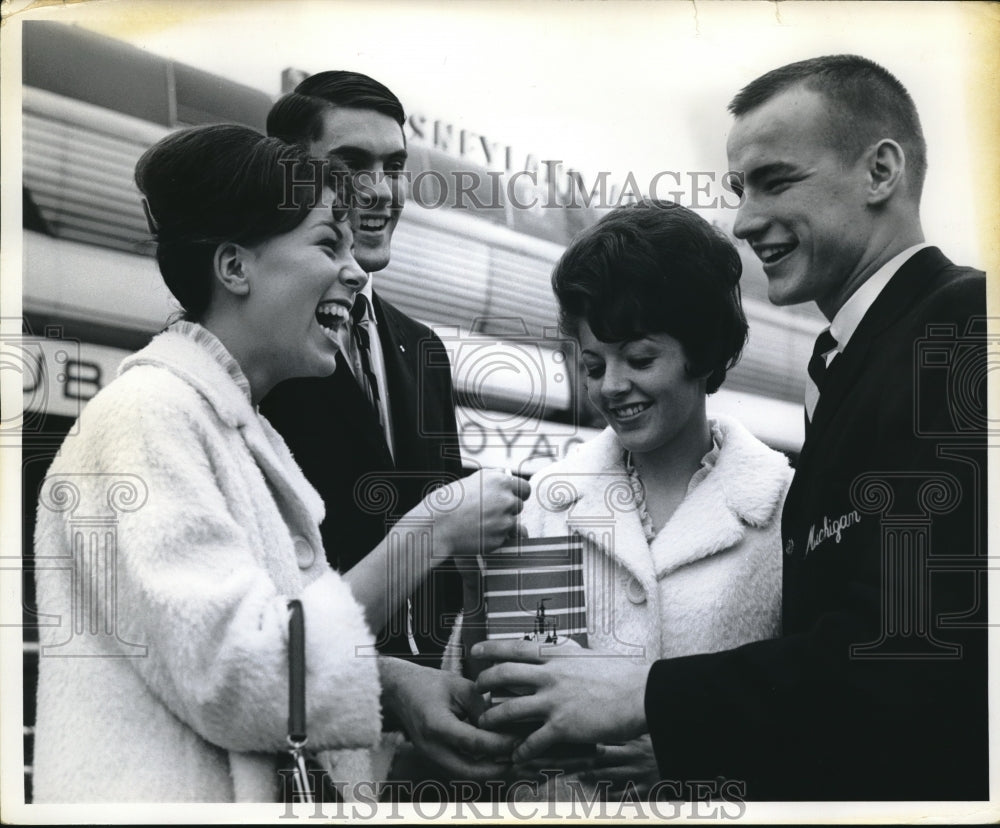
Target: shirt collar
x,y
707,463
847,319
710,459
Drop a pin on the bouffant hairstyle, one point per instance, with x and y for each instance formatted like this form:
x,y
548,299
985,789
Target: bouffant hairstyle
x,y
656,267
210,185
298,116
866,103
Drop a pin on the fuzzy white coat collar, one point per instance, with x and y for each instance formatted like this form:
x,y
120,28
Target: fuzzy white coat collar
x,y
744,489
202,366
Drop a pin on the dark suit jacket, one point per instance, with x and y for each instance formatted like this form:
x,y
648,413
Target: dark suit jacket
x,y
336,439
878,687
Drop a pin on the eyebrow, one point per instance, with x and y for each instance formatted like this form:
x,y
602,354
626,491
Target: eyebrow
x,y
350,151
774,168
642,341
622,345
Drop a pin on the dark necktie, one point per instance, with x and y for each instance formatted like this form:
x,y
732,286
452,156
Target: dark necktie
x,y
363,343
817,370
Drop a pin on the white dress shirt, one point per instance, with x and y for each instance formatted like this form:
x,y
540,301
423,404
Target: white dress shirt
x,y
845,322
377,360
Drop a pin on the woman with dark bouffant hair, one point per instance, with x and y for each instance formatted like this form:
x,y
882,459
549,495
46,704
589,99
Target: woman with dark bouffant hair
x,y
680,511
186,526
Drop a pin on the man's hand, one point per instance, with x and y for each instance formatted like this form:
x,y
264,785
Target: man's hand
x,y
439,711
632,763
579,695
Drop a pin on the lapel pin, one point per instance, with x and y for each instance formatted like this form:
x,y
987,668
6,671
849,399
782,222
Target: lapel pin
x,y
402,348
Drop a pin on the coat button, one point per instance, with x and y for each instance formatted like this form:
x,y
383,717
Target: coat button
x,y
635,592
305,555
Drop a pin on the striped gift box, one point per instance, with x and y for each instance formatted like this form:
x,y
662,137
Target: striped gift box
x,y
534,590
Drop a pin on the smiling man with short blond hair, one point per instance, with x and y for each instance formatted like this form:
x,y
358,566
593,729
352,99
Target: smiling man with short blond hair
x,y
877,688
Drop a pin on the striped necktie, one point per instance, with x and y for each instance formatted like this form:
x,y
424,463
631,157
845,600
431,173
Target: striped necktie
x,y
361,333
362,336
817,370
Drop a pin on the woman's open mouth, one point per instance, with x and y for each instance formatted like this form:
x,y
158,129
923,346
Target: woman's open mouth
x,y
331,317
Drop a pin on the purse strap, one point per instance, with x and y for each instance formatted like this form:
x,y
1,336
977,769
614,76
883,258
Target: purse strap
x,y
297,699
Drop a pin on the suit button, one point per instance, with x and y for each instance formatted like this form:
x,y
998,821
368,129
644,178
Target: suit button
x,y
635,592
305,555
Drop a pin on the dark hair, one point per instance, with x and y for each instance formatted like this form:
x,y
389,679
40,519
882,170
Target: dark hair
x,y
223,183
298,116
656,267
867,103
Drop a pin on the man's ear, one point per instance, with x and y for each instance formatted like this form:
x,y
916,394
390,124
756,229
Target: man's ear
x,y
886,170
230,265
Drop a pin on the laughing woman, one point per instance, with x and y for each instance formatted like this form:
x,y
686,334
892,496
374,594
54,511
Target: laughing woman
x,y
682,510
175,525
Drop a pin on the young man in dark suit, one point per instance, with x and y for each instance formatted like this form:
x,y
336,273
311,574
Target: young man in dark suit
x,y
401,437
877,688
379,433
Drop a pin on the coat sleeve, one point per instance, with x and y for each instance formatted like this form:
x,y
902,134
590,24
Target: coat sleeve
x,y
820,713
194,588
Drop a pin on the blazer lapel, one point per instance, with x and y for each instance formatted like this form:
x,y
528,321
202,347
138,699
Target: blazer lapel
x,y
414,406
355,415
840,377
398,354
903,289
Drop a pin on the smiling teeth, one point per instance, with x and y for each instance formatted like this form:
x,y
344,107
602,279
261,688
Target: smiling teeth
x,y
373,223
629,410
331,314
772,253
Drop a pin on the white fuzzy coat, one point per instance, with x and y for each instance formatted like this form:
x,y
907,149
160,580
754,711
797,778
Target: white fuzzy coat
x,y
711,578
192,527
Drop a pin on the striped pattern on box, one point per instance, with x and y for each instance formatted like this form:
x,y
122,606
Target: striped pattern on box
x,y
534,588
